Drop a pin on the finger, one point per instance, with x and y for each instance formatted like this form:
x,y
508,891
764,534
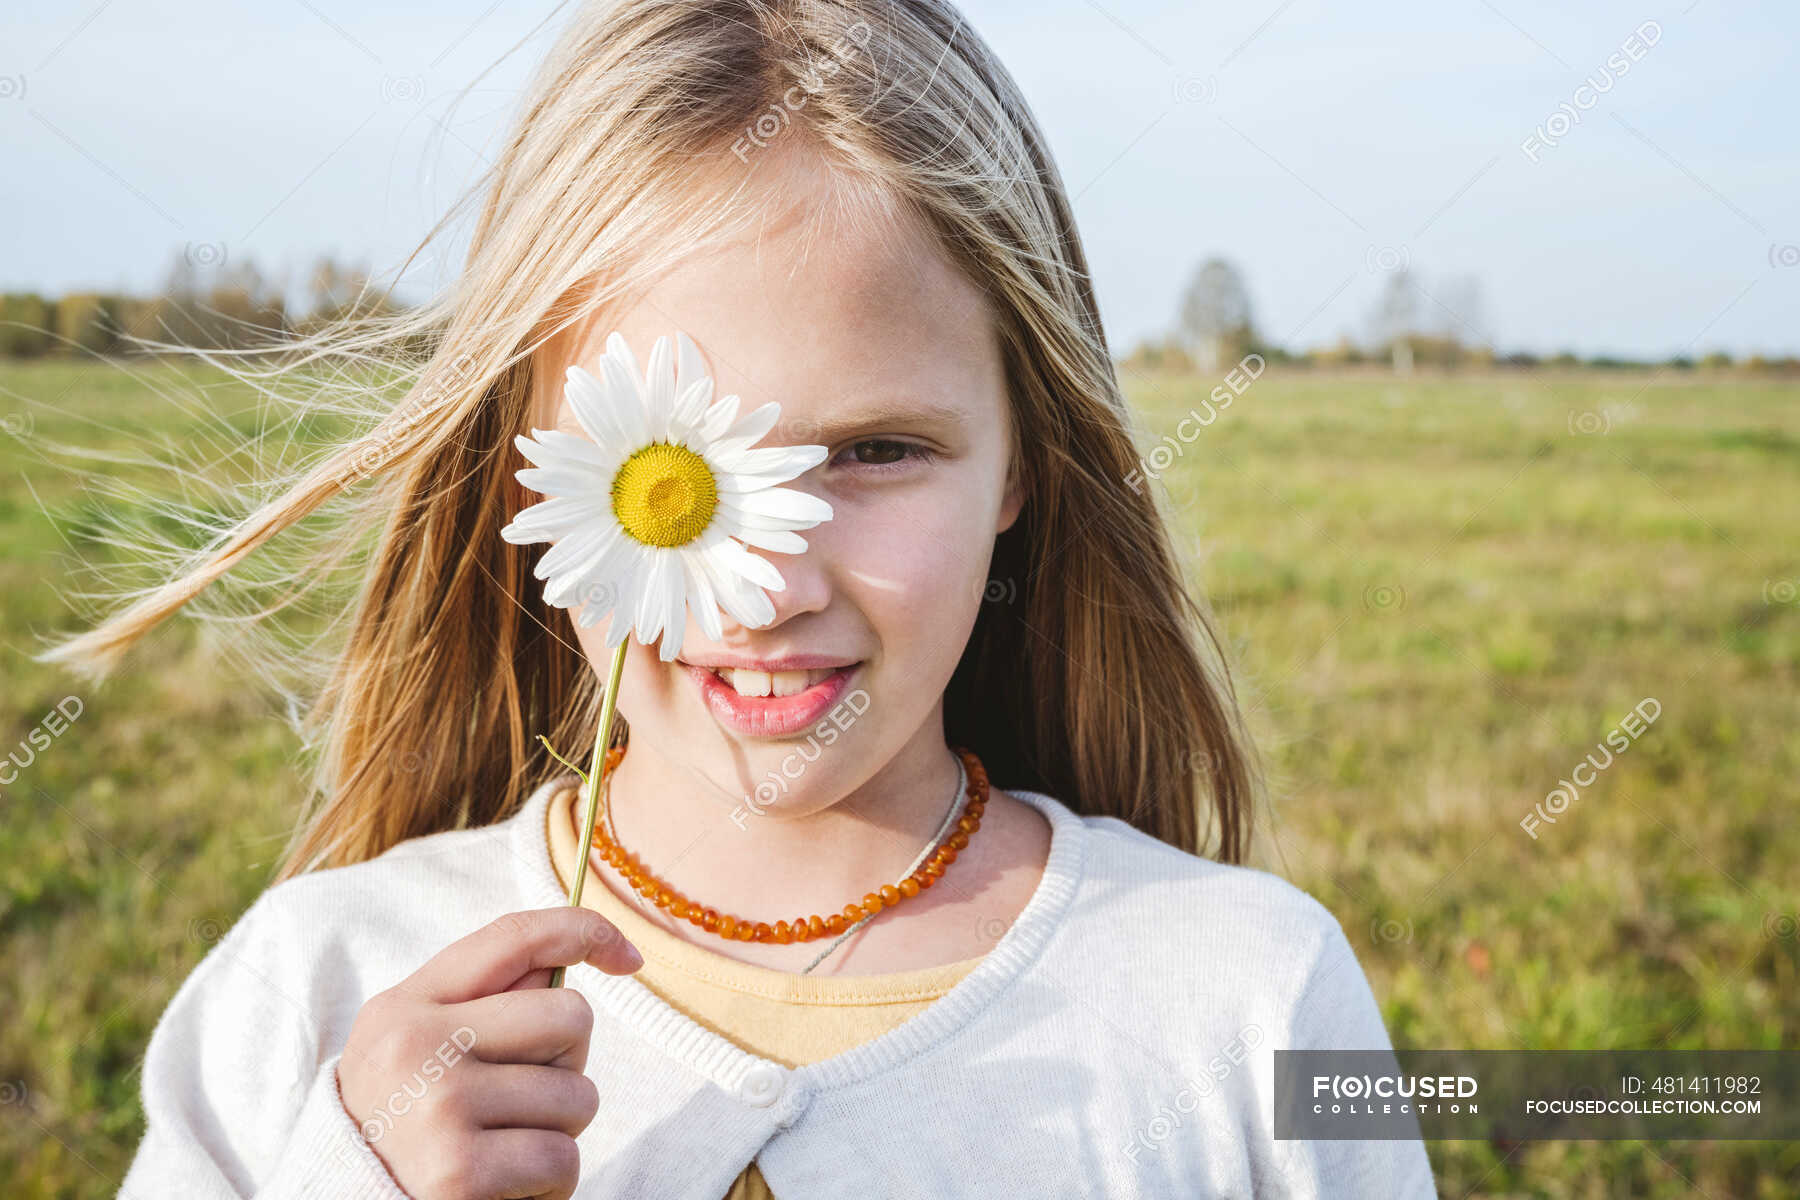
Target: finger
x,y
539,978
521,1096
518,1163
550,1026
495,956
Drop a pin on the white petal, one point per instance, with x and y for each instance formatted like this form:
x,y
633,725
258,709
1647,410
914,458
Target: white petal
x,y
524,535
690,365
595,408
783,503
558,481
659,389
567,446
630,578
569,453
754,427
702,599
787,461
734,518
744,483
618,348
578,589
592,581
531,526
652,601
596,597
623,387
618,631
590,590
690,411
757,570
778,540
675,604
670,645
747,605
566,511
559,517
576,549
719,419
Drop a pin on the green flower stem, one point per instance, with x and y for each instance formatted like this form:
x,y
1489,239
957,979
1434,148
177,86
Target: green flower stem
x,y
592,781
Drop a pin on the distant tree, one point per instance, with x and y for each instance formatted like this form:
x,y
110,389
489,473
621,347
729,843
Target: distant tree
x,y
1215,322
1157,355
337,290
182,281
25,323
1463,317
1395,319
204,301
230,303
1344,352
246,305
1435,350
1275,356
152,318
87,321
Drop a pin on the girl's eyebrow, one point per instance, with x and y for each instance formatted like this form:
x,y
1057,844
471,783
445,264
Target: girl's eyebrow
x,y
875,417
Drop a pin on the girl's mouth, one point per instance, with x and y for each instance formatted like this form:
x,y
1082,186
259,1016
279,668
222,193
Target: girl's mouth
x,y
770,703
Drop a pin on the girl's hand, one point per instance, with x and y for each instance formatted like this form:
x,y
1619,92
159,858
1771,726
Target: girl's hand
x,y
498,1054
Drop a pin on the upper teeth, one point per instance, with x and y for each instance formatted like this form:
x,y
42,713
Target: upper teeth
x,y
771,683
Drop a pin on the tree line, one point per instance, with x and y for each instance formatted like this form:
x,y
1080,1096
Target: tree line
x,y
203,301
208,302
1411,324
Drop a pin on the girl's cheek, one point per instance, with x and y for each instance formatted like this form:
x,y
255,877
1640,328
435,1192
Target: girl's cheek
x,y
592,641
647,683
917,560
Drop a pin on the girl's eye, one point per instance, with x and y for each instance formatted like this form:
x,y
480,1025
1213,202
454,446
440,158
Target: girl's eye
x,y
884,454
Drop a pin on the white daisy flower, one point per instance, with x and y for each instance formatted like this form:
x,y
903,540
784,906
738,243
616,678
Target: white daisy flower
x,y
652,518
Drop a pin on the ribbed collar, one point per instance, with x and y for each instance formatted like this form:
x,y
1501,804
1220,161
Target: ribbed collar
x,y
726,1063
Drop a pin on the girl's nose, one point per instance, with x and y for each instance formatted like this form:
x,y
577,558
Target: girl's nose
x,y
808,579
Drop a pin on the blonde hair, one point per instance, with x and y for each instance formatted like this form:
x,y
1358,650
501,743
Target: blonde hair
x,y
1091,674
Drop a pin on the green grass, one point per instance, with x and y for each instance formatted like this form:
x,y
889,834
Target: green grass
x,y
1443,595
1444,599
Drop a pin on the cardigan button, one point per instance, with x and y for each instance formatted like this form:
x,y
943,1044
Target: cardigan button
x,y
761,1085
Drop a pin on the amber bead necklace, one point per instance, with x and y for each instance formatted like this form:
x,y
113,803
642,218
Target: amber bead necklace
x,y
926,871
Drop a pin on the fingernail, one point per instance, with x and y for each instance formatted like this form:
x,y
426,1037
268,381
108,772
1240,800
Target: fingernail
x,y
633,959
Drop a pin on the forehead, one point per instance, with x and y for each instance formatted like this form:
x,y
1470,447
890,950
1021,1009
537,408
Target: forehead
x,y
821,303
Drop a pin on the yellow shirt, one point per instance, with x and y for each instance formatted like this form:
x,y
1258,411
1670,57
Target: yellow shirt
x,y
790,1018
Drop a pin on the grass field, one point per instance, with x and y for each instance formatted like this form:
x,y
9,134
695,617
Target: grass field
x,y
1444,593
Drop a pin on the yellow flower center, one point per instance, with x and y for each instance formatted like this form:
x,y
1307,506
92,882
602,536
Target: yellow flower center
x,y
664,495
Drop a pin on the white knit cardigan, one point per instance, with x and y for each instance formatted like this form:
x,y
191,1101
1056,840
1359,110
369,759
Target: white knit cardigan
x,y
1118,1041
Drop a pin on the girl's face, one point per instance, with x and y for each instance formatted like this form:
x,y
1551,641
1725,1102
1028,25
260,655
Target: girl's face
x,y
878,349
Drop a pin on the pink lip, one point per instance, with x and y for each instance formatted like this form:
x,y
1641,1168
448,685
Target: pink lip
x,y
772,716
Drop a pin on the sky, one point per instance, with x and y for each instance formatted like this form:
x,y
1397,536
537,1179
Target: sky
x,y
1317,146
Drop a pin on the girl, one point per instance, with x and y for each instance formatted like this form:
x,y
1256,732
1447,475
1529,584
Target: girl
x,y
979,703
